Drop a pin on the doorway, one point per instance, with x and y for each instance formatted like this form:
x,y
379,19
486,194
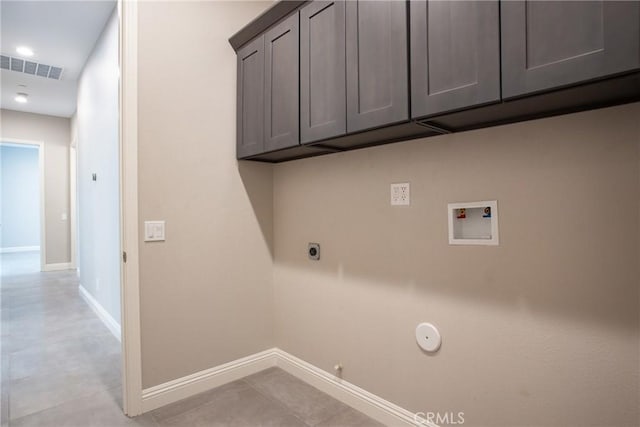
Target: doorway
x,y
22,195
61,327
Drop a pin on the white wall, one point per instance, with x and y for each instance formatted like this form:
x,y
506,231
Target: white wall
x,y
96,127
19,196
55,133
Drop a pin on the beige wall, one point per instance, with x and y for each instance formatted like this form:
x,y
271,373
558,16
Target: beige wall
x,y
55,133
541,330
206,293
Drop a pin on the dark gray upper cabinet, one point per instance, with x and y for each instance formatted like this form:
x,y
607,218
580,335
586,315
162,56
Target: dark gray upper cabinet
x,y
455,55
281,85
322,70
316,77
377,64
550,44
250,102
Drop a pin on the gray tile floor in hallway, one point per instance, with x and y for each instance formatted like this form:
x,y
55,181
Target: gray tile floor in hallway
x,y
61,367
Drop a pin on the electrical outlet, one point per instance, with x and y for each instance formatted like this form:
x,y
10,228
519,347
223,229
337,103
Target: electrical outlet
x,y
314,251
400,194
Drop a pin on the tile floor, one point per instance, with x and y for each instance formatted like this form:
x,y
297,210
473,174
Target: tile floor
x,y
61,367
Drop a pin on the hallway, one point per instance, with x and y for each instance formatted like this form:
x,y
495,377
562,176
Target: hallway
x,y
57,357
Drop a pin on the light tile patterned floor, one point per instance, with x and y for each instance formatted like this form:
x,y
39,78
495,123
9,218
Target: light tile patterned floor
x,y
61,367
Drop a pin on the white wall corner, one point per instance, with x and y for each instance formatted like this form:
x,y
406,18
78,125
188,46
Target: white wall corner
x,y
109,322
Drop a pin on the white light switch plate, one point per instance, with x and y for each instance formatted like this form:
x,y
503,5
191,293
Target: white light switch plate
x,y
153,231
400,194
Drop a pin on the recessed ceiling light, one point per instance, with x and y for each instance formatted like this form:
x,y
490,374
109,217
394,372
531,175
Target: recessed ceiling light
x,y
21,97
24,51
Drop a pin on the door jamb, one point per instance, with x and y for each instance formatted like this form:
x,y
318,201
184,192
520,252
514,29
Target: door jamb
x,y
130,276
73,209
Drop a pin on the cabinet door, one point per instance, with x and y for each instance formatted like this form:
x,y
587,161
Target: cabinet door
x,y
250,102
549,44
455,55
377,63
282,85
322,70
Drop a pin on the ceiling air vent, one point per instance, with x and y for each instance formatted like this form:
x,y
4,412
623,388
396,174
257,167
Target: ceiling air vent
x,y
43,70
30,67
17,64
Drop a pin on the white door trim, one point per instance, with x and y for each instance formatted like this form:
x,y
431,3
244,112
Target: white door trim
x,y
73,188
41,154
130,285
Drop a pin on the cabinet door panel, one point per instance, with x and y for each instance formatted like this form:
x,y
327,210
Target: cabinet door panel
x,y
377,63
282,86
250,102
322,70
550,44
455,55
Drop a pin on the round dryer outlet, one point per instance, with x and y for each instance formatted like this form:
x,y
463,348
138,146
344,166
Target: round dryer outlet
x,y
428,337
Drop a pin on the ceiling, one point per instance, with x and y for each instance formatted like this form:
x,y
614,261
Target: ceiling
x,y
61,34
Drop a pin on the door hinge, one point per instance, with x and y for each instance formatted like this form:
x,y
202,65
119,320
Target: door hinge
x,y
124,257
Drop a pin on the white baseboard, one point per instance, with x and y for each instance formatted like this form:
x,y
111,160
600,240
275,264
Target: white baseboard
x,y
181,388
369,404
12,249
57,267
374,406
107,319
